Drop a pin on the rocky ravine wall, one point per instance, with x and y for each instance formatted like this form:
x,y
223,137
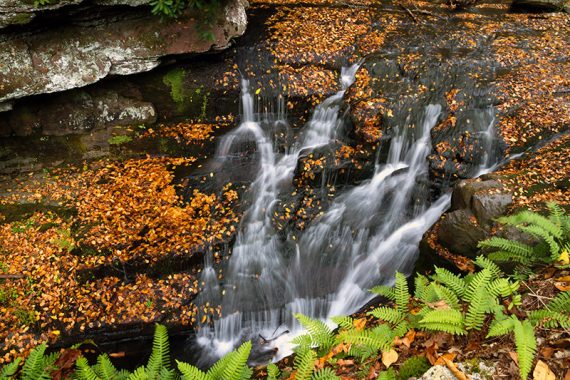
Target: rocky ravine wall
x,y
72,44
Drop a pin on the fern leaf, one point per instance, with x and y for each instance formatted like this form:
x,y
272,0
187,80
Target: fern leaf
x,y
421,283
387,375
556,214
533,219
160,355
451,280
84,371
525,342
485,263
401,292
304,365
560,303
499,328
34,368
478,305
539,232
10,369
478,281
321,334
384,291
549,318
446,295
514,247
272,372
502,287
344,322
325,374
105,369
447,320
139,374
401,328
505,257
387,314
237,363
189,372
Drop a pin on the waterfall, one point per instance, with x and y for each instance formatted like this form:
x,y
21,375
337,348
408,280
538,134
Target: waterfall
x,y
367,234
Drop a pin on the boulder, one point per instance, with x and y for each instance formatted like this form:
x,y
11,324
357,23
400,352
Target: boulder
x,y
460,233
78,54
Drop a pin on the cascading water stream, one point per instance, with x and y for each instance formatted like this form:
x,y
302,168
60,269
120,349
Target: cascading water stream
x,y
366,235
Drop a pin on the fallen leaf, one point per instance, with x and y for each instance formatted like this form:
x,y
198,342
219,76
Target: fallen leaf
x,y
543,372
456,372
389,357
447,356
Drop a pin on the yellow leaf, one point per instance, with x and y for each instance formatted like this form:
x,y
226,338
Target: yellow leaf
x,y
564,259
257,91
56,332
389,357
543,372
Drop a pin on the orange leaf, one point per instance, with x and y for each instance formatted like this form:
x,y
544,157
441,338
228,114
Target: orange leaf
x,y
456,372
447,356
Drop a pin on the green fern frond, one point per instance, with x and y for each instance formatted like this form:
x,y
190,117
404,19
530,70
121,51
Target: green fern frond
x,y
479,304
560,303
446,295
549,318
139,374
532,219
505,257
401,328
480,280
451,280
236,366
344,322
501,327
325,374
556,214
387,375
305,364
401,292
502,287
484,263
514,247
10,369
189,372
160,355
384,291
272,372
321,334
84,371
541,233
421,283
105,368
447,320
34,367
525,342
388,314
376,339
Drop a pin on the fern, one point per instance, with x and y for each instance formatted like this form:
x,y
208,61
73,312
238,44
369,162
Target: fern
x,y
526,345
236,366
384,291
344,322
401,292
532,219
105,369
10,369
325,374
84,371
160,355
502,327
189,372
541,233
451,280
421,283
560,303
305,364
549,319
272,372
446,320
388,314
387,375
514,248
320,334
35,367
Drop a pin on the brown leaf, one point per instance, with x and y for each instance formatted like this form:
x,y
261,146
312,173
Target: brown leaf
x,y
65,363
389,357
543,372
447,356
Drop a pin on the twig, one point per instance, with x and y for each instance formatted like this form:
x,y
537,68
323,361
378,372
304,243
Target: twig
x,y
536,295
11,276
410,13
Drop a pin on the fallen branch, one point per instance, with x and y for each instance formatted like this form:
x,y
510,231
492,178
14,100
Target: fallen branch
x,y
11,276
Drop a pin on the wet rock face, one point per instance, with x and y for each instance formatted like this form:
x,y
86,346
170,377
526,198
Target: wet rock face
x,y
475,205
541,5
76,55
